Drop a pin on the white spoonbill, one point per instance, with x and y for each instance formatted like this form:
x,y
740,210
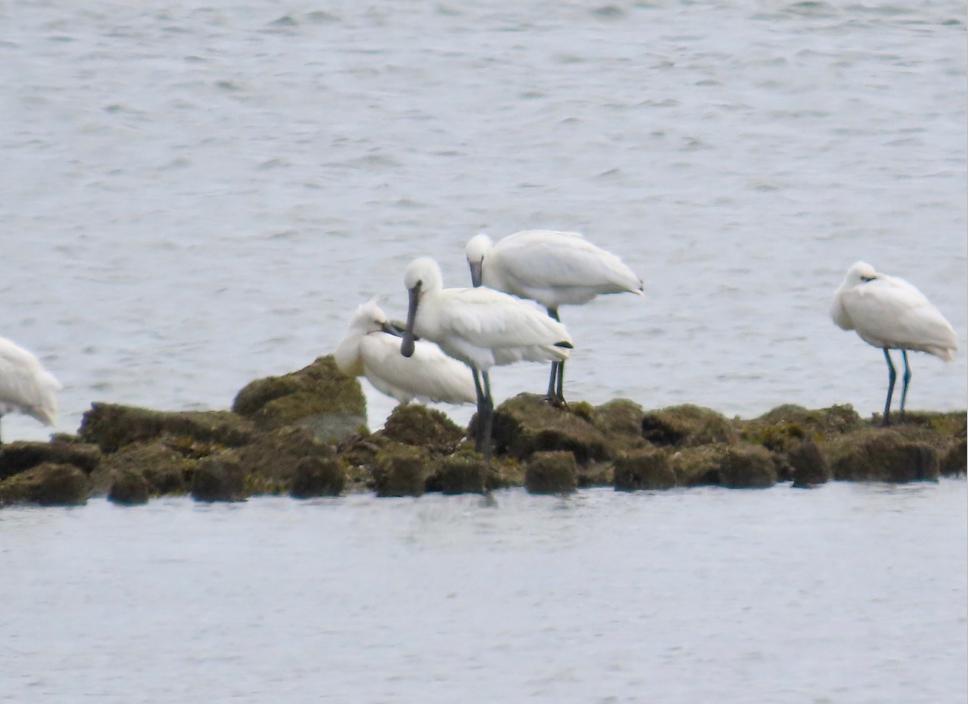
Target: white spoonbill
x,y
890,313
481,328
371,348
550,267
25,386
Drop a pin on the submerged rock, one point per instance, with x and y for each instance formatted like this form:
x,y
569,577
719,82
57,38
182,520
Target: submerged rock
x,y
687,426
319,398
129,488
551,473
219,478
46,484
16,457
401,470
746,466
417,425
876,454
644,469
527,424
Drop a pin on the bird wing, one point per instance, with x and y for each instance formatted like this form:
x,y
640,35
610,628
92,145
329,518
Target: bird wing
x,y
427,375
890,312
549,259
25,385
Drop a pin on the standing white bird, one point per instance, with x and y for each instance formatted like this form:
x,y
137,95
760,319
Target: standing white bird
x,y
890,313
371,348
552,268
481,328
25,386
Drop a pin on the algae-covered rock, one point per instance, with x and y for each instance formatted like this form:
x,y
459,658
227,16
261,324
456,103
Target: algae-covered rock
x,y
877,454
953,461
112,426
551,473
809,466
129,488
218,478
620,417
165,469
527,424
47,484
747,466
697,466
786,426
16,457
401,470
319,397
644,469
686,426
464,473
413,424
271,459
317,476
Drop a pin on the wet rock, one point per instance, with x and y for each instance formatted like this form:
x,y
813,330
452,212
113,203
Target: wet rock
x,y
526,424
597,474
809,466
401,470
47,484
747,466
271,460
644,469
219,478
16,457
504,472
319,398
620,417
687,426
413,424
551,473
877,454
164,469
785,427
129,488
698,466
461,474
317,476
112,426
953,461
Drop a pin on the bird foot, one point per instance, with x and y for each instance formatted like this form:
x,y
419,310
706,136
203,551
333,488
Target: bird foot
x,y
556,402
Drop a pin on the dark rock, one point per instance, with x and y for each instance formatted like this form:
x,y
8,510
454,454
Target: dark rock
x,y
462,474
413,424
112,426
747,466
809,466
597,473
319,398
700,465
687,426
270,461
876,454
644,469
954,460
316,476
16,457
219,478
129,488
165,469
47,484
527,424
551,473
401,470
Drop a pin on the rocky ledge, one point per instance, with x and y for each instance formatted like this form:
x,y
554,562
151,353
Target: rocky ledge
x,y
304,434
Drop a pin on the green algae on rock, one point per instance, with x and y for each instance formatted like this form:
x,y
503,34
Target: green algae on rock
x,y
401,470
808,466
687,426
463,473
219,478
417,425
553,472
19,456
877,454
526,424
647,468
165,469
318,397
746,466
129,488
317,476
273,457
46,484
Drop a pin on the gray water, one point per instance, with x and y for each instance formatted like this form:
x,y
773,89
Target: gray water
x,y
848,593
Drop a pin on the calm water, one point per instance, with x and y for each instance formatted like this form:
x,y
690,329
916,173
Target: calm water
x,y
849,593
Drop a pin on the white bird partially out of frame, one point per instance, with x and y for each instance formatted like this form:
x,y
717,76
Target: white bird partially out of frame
x,y
481,328
371,348
550,267
890,313
25,386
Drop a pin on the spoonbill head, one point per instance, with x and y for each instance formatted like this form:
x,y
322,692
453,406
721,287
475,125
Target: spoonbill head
x,y
25,386
890,313
371,348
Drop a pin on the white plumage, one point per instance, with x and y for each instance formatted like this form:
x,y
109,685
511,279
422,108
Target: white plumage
x,y
369,350
480,327
25,386
890,313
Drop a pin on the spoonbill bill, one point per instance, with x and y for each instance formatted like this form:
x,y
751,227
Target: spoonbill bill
x,y
371,348
550,267
890,313
480,327
25,386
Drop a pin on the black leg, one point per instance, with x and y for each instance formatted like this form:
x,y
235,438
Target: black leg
x,y
489,419
907,380
551,382
556,384
481,404
891,376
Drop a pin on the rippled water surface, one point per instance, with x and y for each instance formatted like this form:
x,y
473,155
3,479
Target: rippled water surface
x,y
848,593
196,195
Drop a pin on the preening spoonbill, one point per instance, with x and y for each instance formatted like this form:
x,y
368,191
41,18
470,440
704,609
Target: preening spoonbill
x,y
371,348
550,267
25,386
481,328
890,313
